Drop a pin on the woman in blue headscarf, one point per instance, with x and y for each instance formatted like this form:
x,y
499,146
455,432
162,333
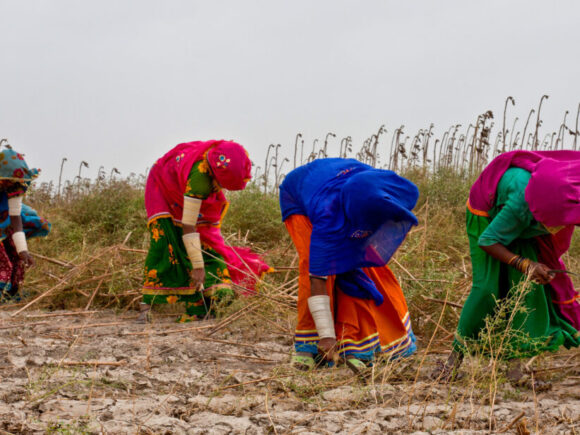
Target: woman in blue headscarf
x,y
17,221
346,220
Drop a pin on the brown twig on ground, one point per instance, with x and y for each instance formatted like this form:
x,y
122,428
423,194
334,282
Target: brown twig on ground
x,y
170,331
94,363
439,301
233,317
53,260
94,294
76,313
256,358
514,421
89,280
21,325
71,274
140,251
256,381
281,328
233,343
551,369
94,325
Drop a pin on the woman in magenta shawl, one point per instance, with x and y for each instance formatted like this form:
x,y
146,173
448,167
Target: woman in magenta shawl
x,y
521,214
188,260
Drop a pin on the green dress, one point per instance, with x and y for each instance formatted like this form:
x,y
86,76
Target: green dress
x,y
167,266
498,301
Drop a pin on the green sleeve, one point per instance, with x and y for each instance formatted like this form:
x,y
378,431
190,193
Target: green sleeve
x,y
199,183
507,225
514,218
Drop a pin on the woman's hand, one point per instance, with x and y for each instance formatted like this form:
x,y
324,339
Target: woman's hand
x,y
540,273
327,347
198,277
27,259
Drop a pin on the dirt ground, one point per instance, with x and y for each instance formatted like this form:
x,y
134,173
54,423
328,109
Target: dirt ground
x,y
104,373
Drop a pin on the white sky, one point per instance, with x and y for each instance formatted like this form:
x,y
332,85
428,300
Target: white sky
x,y
118,83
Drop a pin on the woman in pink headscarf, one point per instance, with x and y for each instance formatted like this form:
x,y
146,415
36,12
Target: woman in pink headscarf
x,y
188,260
521,214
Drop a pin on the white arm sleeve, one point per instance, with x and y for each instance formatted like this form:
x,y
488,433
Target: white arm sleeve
x,y
15,206
320,309
191,207
193,247
19,240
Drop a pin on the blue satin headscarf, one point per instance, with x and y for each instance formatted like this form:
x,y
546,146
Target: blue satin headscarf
x,y
360,215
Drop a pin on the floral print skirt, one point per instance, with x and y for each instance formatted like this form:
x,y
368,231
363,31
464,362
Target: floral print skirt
x,y
167,273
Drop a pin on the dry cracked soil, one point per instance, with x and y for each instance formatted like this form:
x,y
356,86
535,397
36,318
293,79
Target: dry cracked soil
x,y
104,373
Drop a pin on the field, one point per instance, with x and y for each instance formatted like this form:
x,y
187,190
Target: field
x,y
75,360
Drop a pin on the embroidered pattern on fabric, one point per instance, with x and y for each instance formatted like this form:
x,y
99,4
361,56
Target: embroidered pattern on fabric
x,y
344,171
222,161
360,234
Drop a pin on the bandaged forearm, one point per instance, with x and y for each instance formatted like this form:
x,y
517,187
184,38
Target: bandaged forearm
x,y
320,309
15,206
193,247
19,240
191,207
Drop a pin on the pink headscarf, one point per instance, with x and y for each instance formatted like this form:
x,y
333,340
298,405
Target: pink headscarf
x,y
553,193
230,165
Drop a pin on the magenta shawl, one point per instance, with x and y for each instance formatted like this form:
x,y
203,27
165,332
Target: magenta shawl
x,y
553,195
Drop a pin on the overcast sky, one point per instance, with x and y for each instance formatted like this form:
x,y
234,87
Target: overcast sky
x,y
118,83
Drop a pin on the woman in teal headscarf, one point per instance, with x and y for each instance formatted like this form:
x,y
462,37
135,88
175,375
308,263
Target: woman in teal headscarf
x,y
17,221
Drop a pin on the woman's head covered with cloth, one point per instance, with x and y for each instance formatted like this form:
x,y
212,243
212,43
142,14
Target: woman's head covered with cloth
x,y
371,215
13,167
230,165
553,192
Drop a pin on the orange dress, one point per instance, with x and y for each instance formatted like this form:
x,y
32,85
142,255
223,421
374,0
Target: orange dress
x,y
363,329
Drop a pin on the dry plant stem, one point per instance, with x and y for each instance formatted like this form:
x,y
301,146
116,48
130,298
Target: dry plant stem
x,y
281,328
514,421
268,411
170,331
233,343
444,281
140,251
73,272
88,281
93,363
76,313
93,295
292,264
438,325
536,413
439,301
426,316
93,325
238,314
528,365
551,369
253,358
20,325
52,260
255,381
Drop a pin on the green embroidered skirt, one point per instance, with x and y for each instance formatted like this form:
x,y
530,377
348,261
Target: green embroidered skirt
x,y
167,273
